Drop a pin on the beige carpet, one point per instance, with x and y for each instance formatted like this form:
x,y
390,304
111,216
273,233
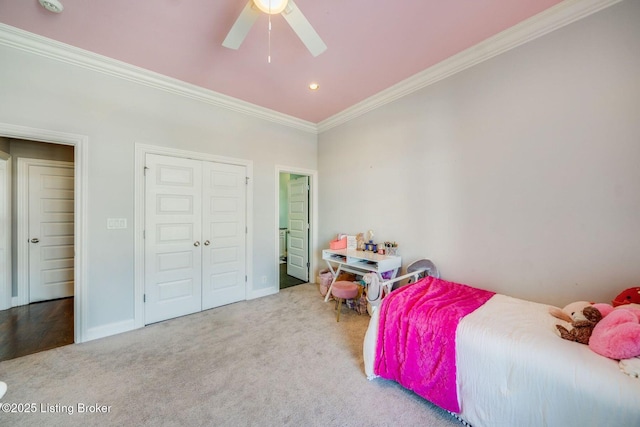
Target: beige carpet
x,y
281,360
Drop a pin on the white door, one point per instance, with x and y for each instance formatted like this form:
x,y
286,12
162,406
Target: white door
x,y
51,231
195,236
5,232
224,234
298,241
173,253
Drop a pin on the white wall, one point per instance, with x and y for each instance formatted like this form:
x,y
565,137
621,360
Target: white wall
x,y
115,114
518,175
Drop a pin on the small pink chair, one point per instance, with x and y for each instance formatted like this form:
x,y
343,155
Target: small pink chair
x,y
343,290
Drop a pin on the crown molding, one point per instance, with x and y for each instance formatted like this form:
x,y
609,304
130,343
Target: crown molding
x,y
556,17
52,49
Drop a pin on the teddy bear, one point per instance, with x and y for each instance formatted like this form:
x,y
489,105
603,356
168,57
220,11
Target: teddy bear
x,y
569,310
615,336
583,323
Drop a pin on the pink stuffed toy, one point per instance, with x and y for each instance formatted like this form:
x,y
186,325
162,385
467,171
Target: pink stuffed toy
x,y
617,335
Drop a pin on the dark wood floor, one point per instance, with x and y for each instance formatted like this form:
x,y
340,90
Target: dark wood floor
x,y
45,325
287,281
35,327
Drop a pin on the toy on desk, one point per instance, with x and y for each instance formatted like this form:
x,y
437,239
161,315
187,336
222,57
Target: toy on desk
x,y
370,236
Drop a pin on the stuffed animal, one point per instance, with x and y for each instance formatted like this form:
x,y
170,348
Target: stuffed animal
x,y
569,310
628,296
630,366
583,324
617,336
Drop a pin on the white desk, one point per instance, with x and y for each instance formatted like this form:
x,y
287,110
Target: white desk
x,y
359,262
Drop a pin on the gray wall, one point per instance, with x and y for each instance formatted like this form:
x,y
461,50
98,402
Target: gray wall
x,y
518,175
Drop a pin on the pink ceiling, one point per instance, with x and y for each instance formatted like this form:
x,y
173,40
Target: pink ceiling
x,y
372,44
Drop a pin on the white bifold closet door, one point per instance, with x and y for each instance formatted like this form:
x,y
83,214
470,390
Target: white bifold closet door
x,y
195,236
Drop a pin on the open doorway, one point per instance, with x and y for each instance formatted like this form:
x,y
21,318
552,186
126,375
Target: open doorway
x,y
38,298
295,231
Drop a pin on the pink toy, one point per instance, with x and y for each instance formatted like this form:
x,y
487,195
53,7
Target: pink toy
x,y
604,308
628,296
617,335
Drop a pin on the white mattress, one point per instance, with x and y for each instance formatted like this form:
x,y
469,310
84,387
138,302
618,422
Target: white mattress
x,y
512,369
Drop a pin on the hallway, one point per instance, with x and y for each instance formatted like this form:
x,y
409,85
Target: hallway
x,y
35,327
287,281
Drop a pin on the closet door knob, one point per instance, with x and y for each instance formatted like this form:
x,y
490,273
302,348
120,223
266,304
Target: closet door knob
x,y
35,240
207,243
196,243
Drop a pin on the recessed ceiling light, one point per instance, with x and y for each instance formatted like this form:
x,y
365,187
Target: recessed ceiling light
x,y
52,5
314,86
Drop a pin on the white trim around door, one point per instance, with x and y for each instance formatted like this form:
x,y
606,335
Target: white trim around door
x,y
313,218
141,152
81,162
22,272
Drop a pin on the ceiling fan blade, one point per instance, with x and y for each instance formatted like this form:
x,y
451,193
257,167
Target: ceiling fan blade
x,y
303,29
241,27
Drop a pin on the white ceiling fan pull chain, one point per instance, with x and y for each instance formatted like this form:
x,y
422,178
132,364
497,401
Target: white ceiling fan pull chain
x,y
290,12
269,55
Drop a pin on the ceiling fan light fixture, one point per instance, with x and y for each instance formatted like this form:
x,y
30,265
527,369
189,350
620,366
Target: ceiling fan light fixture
x,y
52,5
314,86
272,7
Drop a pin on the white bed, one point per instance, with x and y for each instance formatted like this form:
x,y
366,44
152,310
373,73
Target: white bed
x,y
512,369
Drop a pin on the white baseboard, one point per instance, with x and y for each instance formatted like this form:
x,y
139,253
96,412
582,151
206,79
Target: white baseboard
x,y
109,329
259,293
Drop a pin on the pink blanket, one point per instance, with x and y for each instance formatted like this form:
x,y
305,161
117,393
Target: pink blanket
x,y
417,337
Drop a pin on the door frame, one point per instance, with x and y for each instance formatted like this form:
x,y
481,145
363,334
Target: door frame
x,y
313,218
81,173
141,151
22,231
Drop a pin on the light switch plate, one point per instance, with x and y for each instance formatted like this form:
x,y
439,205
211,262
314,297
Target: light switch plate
x,y
116,223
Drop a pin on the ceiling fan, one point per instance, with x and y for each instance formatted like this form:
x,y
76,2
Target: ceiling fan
x,y
290,12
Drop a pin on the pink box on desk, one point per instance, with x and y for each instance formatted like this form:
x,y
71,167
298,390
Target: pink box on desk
x,y
338,244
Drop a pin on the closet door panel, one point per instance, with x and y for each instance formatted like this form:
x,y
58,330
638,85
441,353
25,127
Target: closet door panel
x,y
224,234
173,228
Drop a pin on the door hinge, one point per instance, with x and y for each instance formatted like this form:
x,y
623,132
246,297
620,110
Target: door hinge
x,y
308,264
245,278
246,230
144,234
144,297
246,180
145,171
